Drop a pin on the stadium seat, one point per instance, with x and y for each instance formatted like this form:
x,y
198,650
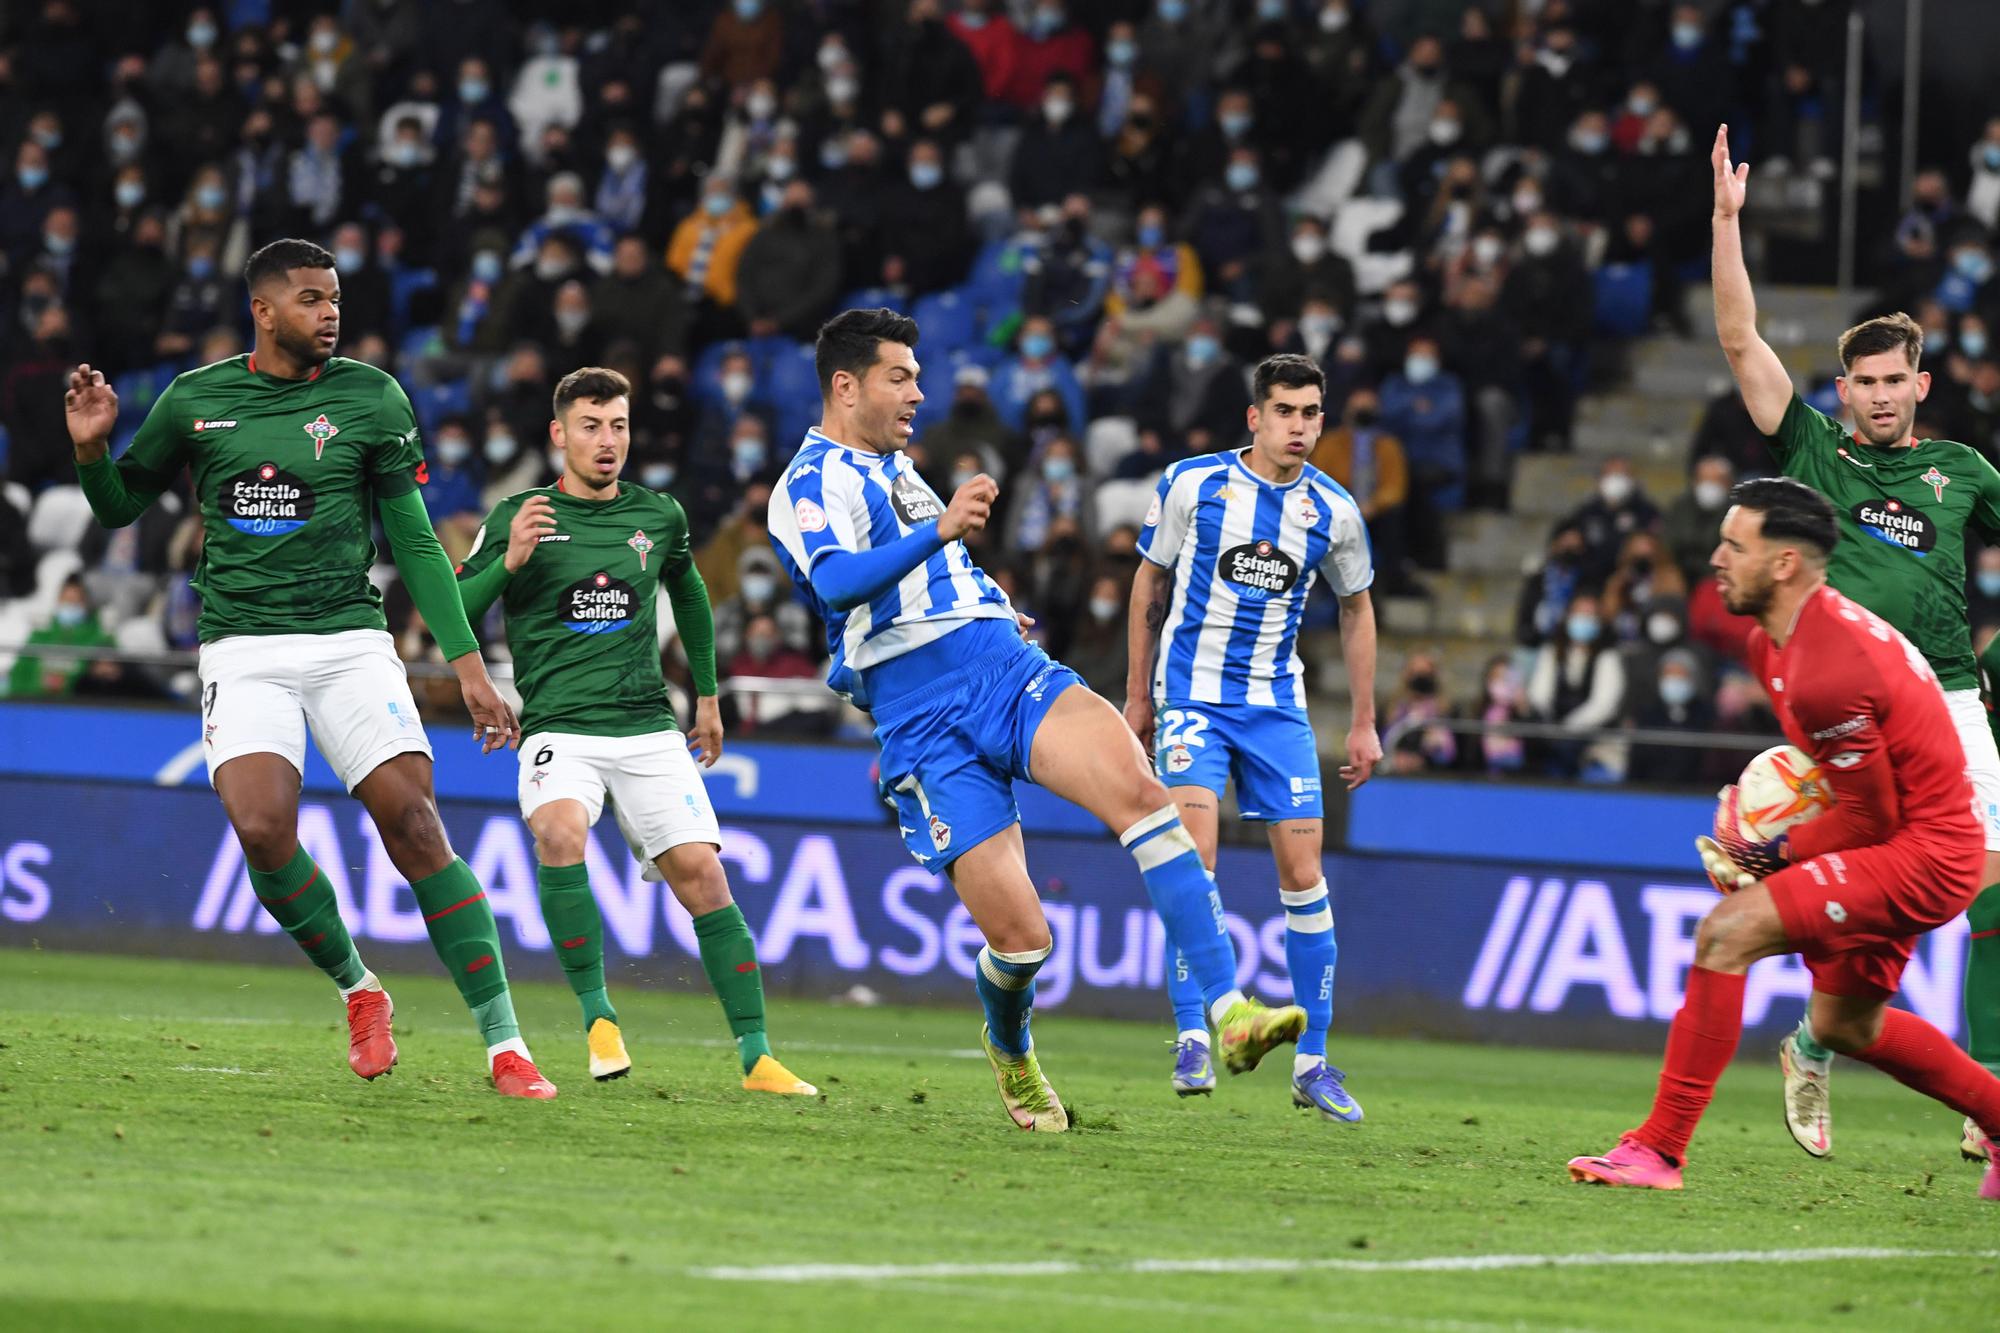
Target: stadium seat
x,y
1624,299
19,496
1122,504
1107,440
451,398
140,634
404,286
59,519
946,322
1357,221
418,343
51,572
870,298
1333,182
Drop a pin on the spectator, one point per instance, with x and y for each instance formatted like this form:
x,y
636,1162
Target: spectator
x,y
1099,649
132,290
931,79
1578,682
546,88
1983,596
1140,153
1054,489
995,43
1644,579
764,657
1423,405
1618,509
566,216
1501,701
1547,296
1310,271
761,590
638,301
973,427
624,190
1396,122
1693,526
706,250
1170,269
1727,432
1546,592
17,554
791,269
1052,48
1676,702
1069,276
26,199
1057,154
718,558
931,240
574,338
746,42
73,625
1038,365
1420,702
452,496
1196,393
1234,224
1482,349
1368,460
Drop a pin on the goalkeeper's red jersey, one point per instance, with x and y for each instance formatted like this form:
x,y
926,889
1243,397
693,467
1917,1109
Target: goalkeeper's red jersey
x,y
1854,694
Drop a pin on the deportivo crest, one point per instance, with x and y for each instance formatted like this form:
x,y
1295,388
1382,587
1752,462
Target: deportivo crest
x,y
1936,480
1308,511
641,543
321,431
940,833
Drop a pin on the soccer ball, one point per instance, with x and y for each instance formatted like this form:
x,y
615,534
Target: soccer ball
x,y
1780,788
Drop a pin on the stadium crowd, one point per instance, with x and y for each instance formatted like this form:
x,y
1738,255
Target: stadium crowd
x,y
1101,214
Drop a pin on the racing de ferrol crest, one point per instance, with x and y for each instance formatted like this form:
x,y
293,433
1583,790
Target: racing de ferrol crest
x,y
641,543
321,431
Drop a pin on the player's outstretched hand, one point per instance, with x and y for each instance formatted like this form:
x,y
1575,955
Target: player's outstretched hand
x,y
705,736
494,725
1364,751
535,519
1139,717
90,406
1731,183
971,506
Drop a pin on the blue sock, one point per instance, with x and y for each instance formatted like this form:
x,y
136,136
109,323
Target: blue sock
x,y
1185,897
1006,983
1310,953
1190,1014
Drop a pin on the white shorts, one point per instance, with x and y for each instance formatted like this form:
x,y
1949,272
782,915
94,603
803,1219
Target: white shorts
x,y
259,692
656,789
1982,759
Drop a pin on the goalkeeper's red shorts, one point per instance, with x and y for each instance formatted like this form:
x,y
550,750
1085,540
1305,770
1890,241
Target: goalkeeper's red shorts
x,y
1856,915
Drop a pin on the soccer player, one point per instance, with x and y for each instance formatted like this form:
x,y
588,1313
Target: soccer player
x,y
1232,545
1899,853
1903,504
577,567
963,705
294,452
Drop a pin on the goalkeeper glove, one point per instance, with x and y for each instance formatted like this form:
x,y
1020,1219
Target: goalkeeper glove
x,y
1732,861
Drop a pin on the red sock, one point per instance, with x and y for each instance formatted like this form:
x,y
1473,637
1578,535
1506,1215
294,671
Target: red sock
x,y
1917,1055
1699,1047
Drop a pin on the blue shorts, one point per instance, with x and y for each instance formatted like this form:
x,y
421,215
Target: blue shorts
x,y
1270,752
951,751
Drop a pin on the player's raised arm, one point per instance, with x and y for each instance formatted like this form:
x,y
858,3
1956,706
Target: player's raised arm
x,y
119,492
1760,376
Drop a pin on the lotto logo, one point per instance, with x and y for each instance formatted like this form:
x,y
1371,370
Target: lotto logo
x,y
811,518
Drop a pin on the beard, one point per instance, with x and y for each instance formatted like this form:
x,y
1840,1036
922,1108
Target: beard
x,y
1895,436
1747,599
303,348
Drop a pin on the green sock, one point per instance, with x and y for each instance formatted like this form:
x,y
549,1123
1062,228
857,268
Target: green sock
x,y
468,942
298,898
577,929
1808,1045
1982,980
729,956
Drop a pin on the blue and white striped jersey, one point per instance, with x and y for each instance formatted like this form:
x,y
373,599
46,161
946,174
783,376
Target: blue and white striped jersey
x,y
833,498
1245,552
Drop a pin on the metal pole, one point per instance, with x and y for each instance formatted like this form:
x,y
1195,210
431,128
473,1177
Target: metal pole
x,y
1913,33
1850,153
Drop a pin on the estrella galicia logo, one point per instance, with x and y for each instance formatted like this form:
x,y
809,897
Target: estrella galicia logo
x,y
912,502
1896,523
1260,569
266,501
599,604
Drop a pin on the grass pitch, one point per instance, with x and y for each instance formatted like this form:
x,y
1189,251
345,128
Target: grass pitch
x,y
182,1146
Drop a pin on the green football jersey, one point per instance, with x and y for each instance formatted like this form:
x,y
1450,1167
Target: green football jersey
x,y
1903,515
582,613
286,473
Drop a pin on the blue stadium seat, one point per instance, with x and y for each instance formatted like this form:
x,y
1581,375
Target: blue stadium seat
x,y
869,298
420,342
451,398
947,322
404,286
1624,299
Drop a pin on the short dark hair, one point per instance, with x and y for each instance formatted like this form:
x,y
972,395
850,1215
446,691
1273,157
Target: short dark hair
x,y
592,384
1884,333
1287,370
848,340
281,257
1792,510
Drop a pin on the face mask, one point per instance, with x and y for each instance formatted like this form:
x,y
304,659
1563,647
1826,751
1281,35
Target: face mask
x,y
210,198
1036,346
1973,343
1151,234
1589,142
1991,156
201,35
1308,247
1582,629
831,55
1676,691
69,615
1420,369
1424,682
33,178
1640,105
761,106
130,194
1046,23
1319,326
843,89
1241,177
1444,133
973,21
1057,109
347,258
1271,11
926,175
760,646
1332,19
201,268
1710,494
405,153
1400,314
736,386
453,453
1487,250
1662,628
1503,690
124,147
759,588
747,454
1989,582
748,10
324,40
571,322
1687,36
1541,241
716,204
1973,265
1615,487
781,168
486,266
1059,470
472,90
1526,202
551,267
833,155
657,476
1102,609
1173,11
621,156
500,449
50,140
60,246
1235,124
1203,349
1122,52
